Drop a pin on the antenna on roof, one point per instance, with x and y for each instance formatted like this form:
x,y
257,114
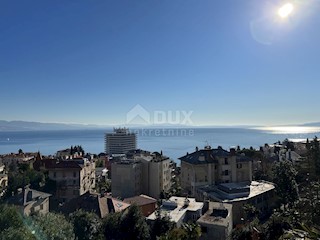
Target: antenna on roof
x,y
207,145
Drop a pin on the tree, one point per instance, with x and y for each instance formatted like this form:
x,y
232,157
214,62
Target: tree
x,y
86,225
251,212
161,225
315,156
9,217
111,226
53,226
133,224
17,234
284,175
193,231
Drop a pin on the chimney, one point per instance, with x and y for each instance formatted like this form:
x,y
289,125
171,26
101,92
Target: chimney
x,y
205,206
232,151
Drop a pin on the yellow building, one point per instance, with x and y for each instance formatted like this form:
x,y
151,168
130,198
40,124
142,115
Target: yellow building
x,y
213,166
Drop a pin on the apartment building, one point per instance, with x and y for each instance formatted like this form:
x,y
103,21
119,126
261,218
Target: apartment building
x,y
73,177
213,166
126,178
141,172
30,201
180,210
120,141
156,172
260,194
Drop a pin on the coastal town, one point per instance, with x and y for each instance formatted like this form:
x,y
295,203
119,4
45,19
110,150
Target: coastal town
x,y
131,193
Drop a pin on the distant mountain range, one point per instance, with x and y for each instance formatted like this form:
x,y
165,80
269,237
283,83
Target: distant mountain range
x,y
38,126
314,124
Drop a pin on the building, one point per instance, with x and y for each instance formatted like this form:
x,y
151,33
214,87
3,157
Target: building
x,y
126,178
157,172
120,141
30,201
3,180
13,159
213,166
179,210
146,204
216,222
73,177
260,194
92,202
141,172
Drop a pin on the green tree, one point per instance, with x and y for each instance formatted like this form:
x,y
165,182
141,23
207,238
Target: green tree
x,y
21,233
193,231
161,225
284,175
133,224
53,226
17,234
9,217
86,225
315,157
111,226
251,212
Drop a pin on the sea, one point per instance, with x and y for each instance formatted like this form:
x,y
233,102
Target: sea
x,y
173,142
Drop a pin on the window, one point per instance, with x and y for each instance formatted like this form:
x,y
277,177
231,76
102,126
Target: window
x,y
74,174
41,206
54,174
239,165
205,179
226,161
226,172
74,182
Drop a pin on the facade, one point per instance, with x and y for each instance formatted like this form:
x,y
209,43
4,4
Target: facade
x,y
146,204
30,201
19,158
3,179
156,172
73,177
260,194
141,172
180,210
126,178
120,141
216,222
213,166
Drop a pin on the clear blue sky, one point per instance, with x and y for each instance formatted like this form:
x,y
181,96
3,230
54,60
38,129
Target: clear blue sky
x,y
228,61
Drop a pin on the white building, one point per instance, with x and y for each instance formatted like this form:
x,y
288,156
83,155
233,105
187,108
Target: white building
x,y
260,194
120,141
179,210
216,223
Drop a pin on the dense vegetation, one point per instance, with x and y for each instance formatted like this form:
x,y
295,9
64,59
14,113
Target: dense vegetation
x,y
298,191
81,225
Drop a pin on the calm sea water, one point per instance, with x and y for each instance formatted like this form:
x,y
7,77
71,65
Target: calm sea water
x,y
173,142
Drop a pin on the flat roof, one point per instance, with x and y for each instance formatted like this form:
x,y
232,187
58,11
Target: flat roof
x,y
237,191
218,214
176,208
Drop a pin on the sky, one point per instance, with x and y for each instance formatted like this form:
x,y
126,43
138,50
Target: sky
x,y
229,62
